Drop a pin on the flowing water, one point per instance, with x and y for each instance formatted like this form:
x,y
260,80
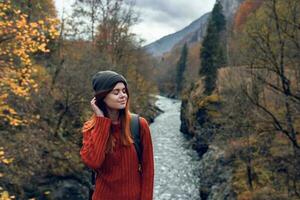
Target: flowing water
x,y
175,165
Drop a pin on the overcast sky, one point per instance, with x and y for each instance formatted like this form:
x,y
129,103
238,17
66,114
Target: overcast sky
x,y
159,17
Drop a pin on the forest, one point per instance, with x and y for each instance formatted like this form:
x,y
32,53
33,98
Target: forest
x,y
239,87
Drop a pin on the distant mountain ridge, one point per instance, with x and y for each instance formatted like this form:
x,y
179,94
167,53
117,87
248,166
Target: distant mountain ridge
x,y
167,42
194,32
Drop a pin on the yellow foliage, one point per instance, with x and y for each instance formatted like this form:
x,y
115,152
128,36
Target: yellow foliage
x,y
7,161
214,113
4,195
214,98
20,39
3,159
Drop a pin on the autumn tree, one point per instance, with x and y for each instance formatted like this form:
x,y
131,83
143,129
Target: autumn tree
x,y
35,9
212,53
84,20
114,38
19,40
106,23
273,52
271,44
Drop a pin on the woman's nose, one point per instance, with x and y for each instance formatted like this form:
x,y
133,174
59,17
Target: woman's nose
x,y
122,95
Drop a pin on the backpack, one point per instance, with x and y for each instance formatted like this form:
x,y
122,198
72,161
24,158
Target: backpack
x,y
135,131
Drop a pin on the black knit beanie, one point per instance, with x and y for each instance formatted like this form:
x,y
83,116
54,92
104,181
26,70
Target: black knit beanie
x,y
106,80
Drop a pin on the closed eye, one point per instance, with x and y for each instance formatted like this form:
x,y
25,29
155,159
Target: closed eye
x,y
116,91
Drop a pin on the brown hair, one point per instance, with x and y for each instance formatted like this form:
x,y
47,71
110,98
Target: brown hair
x,y
124,115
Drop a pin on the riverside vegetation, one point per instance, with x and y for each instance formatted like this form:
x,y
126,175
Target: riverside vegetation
x,y
243,110
239,87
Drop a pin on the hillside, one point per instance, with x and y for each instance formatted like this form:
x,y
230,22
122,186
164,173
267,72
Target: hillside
x,y
194,32
165,44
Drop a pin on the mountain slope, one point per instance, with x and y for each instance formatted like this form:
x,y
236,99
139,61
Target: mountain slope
x,y
166,43
191,33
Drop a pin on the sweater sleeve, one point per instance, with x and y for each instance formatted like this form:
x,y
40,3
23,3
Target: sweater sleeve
x,y
147,162
94,143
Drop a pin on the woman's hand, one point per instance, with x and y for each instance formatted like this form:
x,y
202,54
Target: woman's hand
x,y
96,109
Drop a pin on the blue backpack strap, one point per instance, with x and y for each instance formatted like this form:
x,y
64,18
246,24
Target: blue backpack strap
x,y
135,131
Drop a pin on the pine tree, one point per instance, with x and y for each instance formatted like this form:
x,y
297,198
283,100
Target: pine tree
x,y
181,65
212,52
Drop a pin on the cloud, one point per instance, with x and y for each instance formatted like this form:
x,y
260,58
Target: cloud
x,y
152,30
179,9
162,17
159,17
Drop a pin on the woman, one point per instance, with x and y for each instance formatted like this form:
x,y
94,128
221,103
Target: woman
x,y
108,145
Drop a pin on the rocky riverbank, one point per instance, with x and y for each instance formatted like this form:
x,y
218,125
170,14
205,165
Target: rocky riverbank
x,y
198,124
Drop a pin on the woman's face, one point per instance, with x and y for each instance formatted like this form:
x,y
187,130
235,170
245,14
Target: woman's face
x,y
117,98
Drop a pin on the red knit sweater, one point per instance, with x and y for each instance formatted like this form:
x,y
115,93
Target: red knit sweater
x,y
118,177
